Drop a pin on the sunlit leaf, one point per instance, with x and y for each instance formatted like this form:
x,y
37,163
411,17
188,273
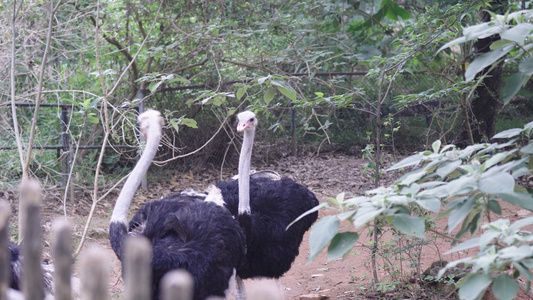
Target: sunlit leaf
x,y
459,212
189,122
517,33
485,60
527,149
432,205
366,214
407,162
447,168
154,85
269,95
459,40
240,93
509,133
497,183
288,92
436,146
312,210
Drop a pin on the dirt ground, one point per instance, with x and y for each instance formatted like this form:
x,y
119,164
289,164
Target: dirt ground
x,y
326,175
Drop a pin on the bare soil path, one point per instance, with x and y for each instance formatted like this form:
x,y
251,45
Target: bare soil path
x,y
325,175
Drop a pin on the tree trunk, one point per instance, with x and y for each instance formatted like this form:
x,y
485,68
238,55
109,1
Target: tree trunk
x,y
484,106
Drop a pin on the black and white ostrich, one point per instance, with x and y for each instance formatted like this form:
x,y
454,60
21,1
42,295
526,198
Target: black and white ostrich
x,y
265,206
200,237
16,261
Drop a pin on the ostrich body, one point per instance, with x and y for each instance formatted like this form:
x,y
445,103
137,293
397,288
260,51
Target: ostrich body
x,y
185,233
265,206
16,270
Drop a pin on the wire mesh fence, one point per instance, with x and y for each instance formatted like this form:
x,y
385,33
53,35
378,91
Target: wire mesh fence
x,y
418,109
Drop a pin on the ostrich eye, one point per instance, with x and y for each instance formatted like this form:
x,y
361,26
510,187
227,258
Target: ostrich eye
x,y
252,119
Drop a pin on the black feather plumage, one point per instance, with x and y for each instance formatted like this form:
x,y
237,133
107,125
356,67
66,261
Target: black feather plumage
x,y
271,249
197,236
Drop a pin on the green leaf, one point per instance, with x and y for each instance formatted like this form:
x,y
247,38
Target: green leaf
x,y
407,162
93,119
154,85
517,33
474,286
341,244
321,234
432,205
497,183
524,271
240,93
459,212
523,200
189,122
459,40
509,133
271,92
481,31
365,214
471,243
521,223
410,225
495,207
485,60
174,123
527,149
448,167
504,287
312,210
436,146
513,86
262,79
288,92
526,66
400,11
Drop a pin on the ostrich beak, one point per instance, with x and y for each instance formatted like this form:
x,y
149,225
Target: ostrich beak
x,y
243,125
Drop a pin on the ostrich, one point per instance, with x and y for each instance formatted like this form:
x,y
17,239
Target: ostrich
x,y
185,233
265,206
16,260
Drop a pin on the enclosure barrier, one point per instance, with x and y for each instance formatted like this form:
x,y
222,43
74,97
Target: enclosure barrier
x,y
94,264
65,141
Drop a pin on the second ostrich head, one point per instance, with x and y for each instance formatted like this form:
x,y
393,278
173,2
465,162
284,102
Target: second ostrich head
x,y
247,124
247,121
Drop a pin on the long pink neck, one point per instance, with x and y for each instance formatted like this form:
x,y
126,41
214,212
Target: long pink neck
x,y
244,171
120,212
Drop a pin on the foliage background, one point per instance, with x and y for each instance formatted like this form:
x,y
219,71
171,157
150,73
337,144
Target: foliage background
x,y
363,77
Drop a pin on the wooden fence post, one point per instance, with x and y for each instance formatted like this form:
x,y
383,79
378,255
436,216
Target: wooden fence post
x,y
62,254
32,281
5,212
138,266
94,275
177,285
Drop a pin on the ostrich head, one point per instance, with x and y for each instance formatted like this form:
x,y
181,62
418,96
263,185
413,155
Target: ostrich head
x,y
149,118
247,121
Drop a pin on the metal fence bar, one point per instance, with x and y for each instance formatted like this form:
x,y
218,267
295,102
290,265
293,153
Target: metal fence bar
x,y
65,141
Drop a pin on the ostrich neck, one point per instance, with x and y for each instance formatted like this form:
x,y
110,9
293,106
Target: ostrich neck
x,y
120,212
244,172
